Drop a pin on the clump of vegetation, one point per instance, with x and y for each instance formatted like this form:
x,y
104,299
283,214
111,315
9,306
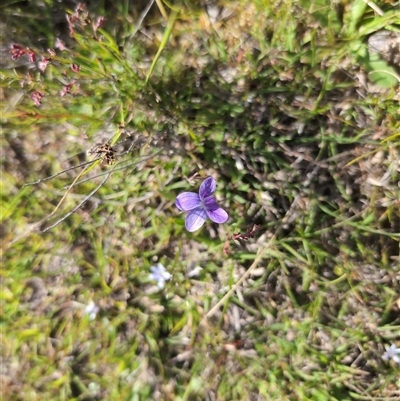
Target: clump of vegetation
x,y
128,273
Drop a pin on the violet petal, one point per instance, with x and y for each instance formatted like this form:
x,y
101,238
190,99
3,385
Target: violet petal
x,y
195,219
218,216
187,201
207,187
210,203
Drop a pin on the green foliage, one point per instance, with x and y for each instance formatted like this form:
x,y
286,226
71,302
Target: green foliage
x,y
268,101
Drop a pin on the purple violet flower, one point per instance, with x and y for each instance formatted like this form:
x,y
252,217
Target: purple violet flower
x,y
201,205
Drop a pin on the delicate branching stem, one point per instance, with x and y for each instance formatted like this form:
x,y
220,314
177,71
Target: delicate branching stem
x,y
114,169
67,192
79,205
142,17
100,174
60,173
78,166
162,9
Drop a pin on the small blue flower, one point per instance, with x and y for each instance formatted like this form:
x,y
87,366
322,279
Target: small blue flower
x,y
159,274
91,310
392,352
201,205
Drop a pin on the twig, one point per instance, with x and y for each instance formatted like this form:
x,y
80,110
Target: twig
x,y
261,252
240,281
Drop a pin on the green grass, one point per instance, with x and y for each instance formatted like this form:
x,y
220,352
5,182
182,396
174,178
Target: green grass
x,y
286,107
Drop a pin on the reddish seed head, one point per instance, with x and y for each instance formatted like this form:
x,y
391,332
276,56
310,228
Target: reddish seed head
x,y
66,90
37,97
80,7
60,45
31,55
71,21
44,63
75,67
17,51
99,23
